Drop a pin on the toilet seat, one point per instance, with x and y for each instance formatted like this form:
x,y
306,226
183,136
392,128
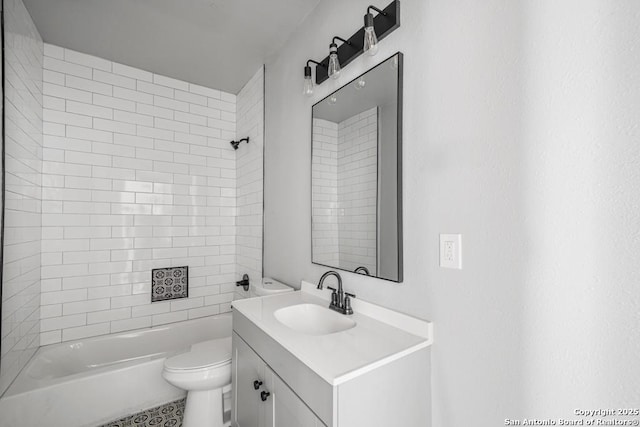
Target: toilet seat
x,y
202,356
204,372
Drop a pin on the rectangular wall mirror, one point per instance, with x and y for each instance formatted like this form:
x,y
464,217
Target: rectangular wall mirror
x,y
356,175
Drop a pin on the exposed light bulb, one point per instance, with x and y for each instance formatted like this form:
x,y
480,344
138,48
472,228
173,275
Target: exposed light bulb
x,y
370,39
332,100
394,63
334,63
370,42
360,83
334,66
307,88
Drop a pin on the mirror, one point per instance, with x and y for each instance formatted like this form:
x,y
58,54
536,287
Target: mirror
x,y
356,175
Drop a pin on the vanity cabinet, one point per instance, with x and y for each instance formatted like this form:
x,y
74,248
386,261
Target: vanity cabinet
x,y
261,398
374,371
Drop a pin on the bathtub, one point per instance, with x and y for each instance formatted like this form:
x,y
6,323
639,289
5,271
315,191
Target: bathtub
x,y
92,381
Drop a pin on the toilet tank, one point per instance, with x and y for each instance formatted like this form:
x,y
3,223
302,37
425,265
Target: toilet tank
x,y
268,286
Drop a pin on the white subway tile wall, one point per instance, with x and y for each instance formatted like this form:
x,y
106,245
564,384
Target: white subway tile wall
x,y
250,123
358,190
345,186
325,192
139,174
23,167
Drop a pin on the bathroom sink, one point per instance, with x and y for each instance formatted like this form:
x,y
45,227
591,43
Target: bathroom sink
x,y
313,319
336,347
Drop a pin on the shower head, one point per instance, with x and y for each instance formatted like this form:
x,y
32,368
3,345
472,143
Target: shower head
x,y
235,144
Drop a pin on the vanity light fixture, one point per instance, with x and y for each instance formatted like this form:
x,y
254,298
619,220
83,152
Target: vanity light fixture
x,y
365,40
370,40
308,83
334,61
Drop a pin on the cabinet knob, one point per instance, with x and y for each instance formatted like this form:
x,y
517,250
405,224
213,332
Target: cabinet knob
x,y
257,384
264,395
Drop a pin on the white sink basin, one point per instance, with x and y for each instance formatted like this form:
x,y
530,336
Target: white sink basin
x,y
312,319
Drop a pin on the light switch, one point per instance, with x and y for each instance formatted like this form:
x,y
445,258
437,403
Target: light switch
x,y
451,251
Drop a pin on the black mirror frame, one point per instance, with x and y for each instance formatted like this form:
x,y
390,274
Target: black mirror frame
x,y
399,169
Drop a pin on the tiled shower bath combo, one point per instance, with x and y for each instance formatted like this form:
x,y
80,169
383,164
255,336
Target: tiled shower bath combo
x,y
128,209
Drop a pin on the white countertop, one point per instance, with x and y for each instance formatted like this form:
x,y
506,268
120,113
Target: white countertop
x,y
378,338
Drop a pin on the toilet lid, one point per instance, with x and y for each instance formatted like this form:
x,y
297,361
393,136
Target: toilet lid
x,y
202,355
269,286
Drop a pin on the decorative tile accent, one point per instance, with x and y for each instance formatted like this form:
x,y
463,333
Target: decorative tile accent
x,y
167,415
169,283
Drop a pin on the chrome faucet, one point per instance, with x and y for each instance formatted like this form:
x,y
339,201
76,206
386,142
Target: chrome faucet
x,y
340,300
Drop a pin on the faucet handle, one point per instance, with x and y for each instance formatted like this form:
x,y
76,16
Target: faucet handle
x,y
347,303
334,296
244,282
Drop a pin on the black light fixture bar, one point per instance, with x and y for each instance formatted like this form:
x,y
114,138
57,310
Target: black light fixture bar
x,y
342,40
383,23
307,68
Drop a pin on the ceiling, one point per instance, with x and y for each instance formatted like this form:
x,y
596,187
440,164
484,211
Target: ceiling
x,y
214,43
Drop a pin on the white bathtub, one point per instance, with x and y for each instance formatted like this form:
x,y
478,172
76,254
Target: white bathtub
x,y
92,381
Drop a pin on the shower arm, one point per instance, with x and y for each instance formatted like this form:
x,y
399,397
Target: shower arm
x,y
235,144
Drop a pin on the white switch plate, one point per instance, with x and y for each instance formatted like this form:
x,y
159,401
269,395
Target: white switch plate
x,y
451,251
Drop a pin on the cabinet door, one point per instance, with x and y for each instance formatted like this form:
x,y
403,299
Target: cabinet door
x,y
287,410
248,408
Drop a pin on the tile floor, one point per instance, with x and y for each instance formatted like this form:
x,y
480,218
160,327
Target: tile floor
x,y
167,415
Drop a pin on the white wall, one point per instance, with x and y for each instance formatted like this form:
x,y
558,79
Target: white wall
x,y
388,227
23,167
520,132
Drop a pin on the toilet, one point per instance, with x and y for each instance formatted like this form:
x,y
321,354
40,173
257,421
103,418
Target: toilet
x,y
205,370
205,373
267,286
